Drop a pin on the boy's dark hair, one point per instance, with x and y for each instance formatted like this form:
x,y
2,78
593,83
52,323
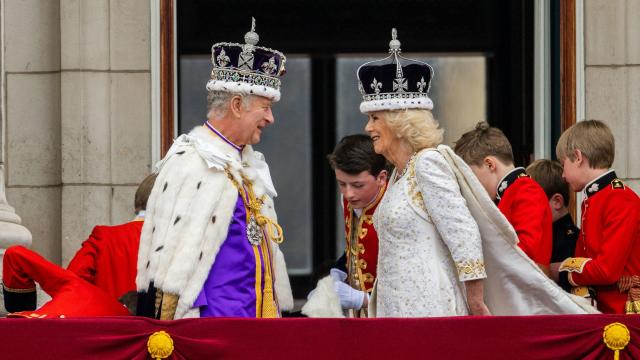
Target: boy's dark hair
x,y
548,174
354,154
143,192
473,146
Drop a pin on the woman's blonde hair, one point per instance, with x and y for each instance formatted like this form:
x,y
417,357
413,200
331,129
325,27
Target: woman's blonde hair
x,y
417,127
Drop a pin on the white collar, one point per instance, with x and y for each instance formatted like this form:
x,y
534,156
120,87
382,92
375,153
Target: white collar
x,y
219,154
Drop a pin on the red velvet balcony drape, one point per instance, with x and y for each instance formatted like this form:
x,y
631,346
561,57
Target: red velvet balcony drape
x,y
531,337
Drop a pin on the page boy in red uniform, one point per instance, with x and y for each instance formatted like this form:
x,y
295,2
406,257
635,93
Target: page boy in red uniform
x,y
522,201
548,174
607,256
102,271
361,175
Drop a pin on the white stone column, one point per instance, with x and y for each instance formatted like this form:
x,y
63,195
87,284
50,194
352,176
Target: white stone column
x,y
11,230
612,75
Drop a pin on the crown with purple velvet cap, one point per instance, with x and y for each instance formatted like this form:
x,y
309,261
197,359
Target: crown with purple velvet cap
x,y
246,68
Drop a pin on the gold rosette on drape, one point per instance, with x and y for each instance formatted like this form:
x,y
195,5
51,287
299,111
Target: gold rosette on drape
x,y
616,336
160,345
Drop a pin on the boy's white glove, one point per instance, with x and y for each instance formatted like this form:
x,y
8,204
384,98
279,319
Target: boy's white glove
x,y
338,275
350,298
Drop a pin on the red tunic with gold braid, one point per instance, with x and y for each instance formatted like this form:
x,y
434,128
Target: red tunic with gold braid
x,y
362,244
607,256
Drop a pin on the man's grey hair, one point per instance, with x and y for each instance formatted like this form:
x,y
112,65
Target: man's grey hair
x,y
217,102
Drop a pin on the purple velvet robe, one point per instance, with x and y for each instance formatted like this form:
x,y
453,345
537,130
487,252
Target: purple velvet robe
x,y
229,290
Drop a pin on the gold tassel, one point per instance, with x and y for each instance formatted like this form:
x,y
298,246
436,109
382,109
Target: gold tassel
x,y
269,309
253,205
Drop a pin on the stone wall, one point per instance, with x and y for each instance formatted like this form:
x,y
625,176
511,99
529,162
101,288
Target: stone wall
x,y
612,77
32,133
106,113
78,117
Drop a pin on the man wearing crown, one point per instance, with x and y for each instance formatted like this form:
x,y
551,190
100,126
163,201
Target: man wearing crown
x,y
209,245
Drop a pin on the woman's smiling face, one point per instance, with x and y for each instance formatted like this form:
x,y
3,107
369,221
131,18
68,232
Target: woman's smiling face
x,y
380,133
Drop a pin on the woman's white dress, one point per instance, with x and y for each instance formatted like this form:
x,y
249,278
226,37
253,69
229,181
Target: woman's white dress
x,y
428,243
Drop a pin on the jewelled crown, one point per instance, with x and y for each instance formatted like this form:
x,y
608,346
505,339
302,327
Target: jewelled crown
x,y
395,82
246,68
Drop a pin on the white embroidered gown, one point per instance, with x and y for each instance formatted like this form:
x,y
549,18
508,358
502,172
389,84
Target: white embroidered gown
x,y
428,243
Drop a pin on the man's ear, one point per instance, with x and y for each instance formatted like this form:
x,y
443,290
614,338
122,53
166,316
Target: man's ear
x,y
557,201
235,105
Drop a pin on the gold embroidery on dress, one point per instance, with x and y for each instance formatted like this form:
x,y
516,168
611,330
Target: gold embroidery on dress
x,y
471,268
415,195
414,192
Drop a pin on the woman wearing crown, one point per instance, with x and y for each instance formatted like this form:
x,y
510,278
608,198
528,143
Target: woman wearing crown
x,y
430,261
439,232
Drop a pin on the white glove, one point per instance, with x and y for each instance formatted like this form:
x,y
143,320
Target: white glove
x,y
350,298
338,275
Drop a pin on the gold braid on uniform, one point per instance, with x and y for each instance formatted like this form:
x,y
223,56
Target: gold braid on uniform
x,y
631,284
